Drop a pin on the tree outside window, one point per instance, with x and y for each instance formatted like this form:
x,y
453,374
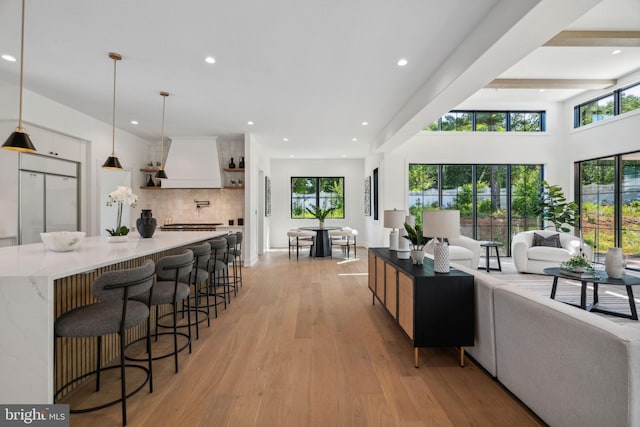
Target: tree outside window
x,y
326,192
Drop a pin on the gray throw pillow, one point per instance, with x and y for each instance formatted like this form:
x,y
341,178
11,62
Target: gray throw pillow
x,y
552,241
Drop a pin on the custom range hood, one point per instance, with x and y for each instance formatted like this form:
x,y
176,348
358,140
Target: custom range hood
x,y
192,162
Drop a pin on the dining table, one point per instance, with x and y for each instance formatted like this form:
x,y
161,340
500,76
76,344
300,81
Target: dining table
x,y
321,246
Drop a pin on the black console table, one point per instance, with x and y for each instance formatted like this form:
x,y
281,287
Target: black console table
x,y
432,309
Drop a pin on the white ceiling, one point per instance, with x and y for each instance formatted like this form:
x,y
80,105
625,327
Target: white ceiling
x,y
311,72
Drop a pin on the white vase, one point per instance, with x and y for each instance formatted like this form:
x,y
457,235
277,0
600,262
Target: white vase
x,y
441,257
321,225
117,239
614,263
417,256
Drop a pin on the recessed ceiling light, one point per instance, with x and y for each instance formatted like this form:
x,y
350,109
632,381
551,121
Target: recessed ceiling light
x,y
134,122
250,123
615,52
365,123
540,90
291,155
354,139
8,58
402,62
210,60
285,139
344,155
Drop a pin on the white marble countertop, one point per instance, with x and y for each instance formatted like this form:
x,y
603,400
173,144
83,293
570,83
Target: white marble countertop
x,y
94,252
27,275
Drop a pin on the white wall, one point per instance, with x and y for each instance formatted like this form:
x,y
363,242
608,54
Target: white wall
x,y
49,114
281,173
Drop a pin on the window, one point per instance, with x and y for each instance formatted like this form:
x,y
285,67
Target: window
x,y
495,201
609,196
326,192
617,102
490,121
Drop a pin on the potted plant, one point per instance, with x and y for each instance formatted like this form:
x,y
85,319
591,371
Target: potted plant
x,y
578,264
553,206
120,196
320,213
414,235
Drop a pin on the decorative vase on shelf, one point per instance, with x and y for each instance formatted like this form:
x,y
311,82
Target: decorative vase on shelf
x,y
614,263
231,164
146,224
241,165
150,182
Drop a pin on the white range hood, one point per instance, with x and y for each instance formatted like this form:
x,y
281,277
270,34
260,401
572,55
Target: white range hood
x,y
192,162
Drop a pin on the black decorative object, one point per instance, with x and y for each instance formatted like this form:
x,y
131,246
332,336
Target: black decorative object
x,y
150,182
241,166
231,164
146,224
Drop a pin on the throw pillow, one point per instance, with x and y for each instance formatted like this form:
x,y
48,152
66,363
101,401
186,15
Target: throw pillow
x,y
552,241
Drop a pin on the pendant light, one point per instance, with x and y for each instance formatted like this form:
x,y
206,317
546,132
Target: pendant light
x,y
19,140
112,161
161,174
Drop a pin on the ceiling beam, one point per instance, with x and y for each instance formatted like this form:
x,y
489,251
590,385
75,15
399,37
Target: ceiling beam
x,y
596,38
551,83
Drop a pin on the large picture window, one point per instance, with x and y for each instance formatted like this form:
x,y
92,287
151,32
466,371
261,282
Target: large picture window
x,y
495,201
326,192
609,196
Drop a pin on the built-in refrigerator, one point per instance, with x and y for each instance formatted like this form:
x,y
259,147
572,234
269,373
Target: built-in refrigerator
x,y
48,197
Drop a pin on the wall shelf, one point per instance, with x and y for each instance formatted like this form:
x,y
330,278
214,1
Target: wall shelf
x,y
149,170
233,170
237,187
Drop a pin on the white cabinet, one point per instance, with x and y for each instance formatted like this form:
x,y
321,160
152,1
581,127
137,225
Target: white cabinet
x,y
55,145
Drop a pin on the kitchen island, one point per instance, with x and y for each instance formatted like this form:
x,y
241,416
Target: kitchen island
x,y
29,277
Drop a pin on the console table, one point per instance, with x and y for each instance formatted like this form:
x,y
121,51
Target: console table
x,y
432,309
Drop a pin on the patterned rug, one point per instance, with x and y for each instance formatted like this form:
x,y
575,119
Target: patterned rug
x,y
613,298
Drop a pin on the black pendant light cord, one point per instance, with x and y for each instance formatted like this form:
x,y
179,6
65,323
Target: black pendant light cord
x,y
21,69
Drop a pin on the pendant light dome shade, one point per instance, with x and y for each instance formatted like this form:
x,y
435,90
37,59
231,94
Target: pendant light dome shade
x,y
19,140
112,161
161,174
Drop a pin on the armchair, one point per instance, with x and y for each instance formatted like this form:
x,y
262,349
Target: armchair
x,y
528,258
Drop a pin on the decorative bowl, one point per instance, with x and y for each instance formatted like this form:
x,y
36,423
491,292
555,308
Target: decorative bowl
x,y
62,241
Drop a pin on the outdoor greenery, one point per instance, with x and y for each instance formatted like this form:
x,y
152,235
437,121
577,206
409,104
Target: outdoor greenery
x,y
489,121
604,107
322,192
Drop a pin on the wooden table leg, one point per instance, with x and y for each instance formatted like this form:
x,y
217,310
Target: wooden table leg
x,y
415,355
461,356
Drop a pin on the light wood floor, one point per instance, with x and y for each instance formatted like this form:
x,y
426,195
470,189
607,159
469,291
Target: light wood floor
x,y
302,345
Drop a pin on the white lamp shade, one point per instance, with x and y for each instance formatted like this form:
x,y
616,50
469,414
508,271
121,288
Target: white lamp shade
x,y
394,218
441,224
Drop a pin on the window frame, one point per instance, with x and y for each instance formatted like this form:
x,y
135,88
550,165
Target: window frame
x,y
617,106
474,121
318,197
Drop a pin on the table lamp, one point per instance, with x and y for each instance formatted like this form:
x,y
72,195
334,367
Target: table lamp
x,y
404,245
441,224
394,219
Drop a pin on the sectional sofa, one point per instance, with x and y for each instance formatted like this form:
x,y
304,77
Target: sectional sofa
x,y
571,367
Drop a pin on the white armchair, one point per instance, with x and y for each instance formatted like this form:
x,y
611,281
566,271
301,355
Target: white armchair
x,y
534,259
462,250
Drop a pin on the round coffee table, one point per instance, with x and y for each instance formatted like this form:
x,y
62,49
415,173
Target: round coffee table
x,y
602,279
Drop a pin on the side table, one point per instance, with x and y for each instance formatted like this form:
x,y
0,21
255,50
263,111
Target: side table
x,y
488,244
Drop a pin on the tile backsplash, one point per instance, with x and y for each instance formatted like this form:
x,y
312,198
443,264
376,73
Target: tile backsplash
x,y
180,205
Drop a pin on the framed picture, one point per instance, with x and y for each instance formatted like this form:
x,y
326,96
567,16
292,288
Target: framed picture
x,y
267,196
367,196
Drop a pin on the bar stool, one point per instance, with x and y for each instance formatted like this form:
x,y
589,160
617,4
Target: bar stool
x,y
198,275
114,313
218,273
232,279
168,289
236,253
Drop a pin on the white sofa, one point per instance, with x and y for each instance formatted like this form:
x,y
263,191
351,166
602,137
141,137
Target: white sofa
x,y
534,259
571,367
462,251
